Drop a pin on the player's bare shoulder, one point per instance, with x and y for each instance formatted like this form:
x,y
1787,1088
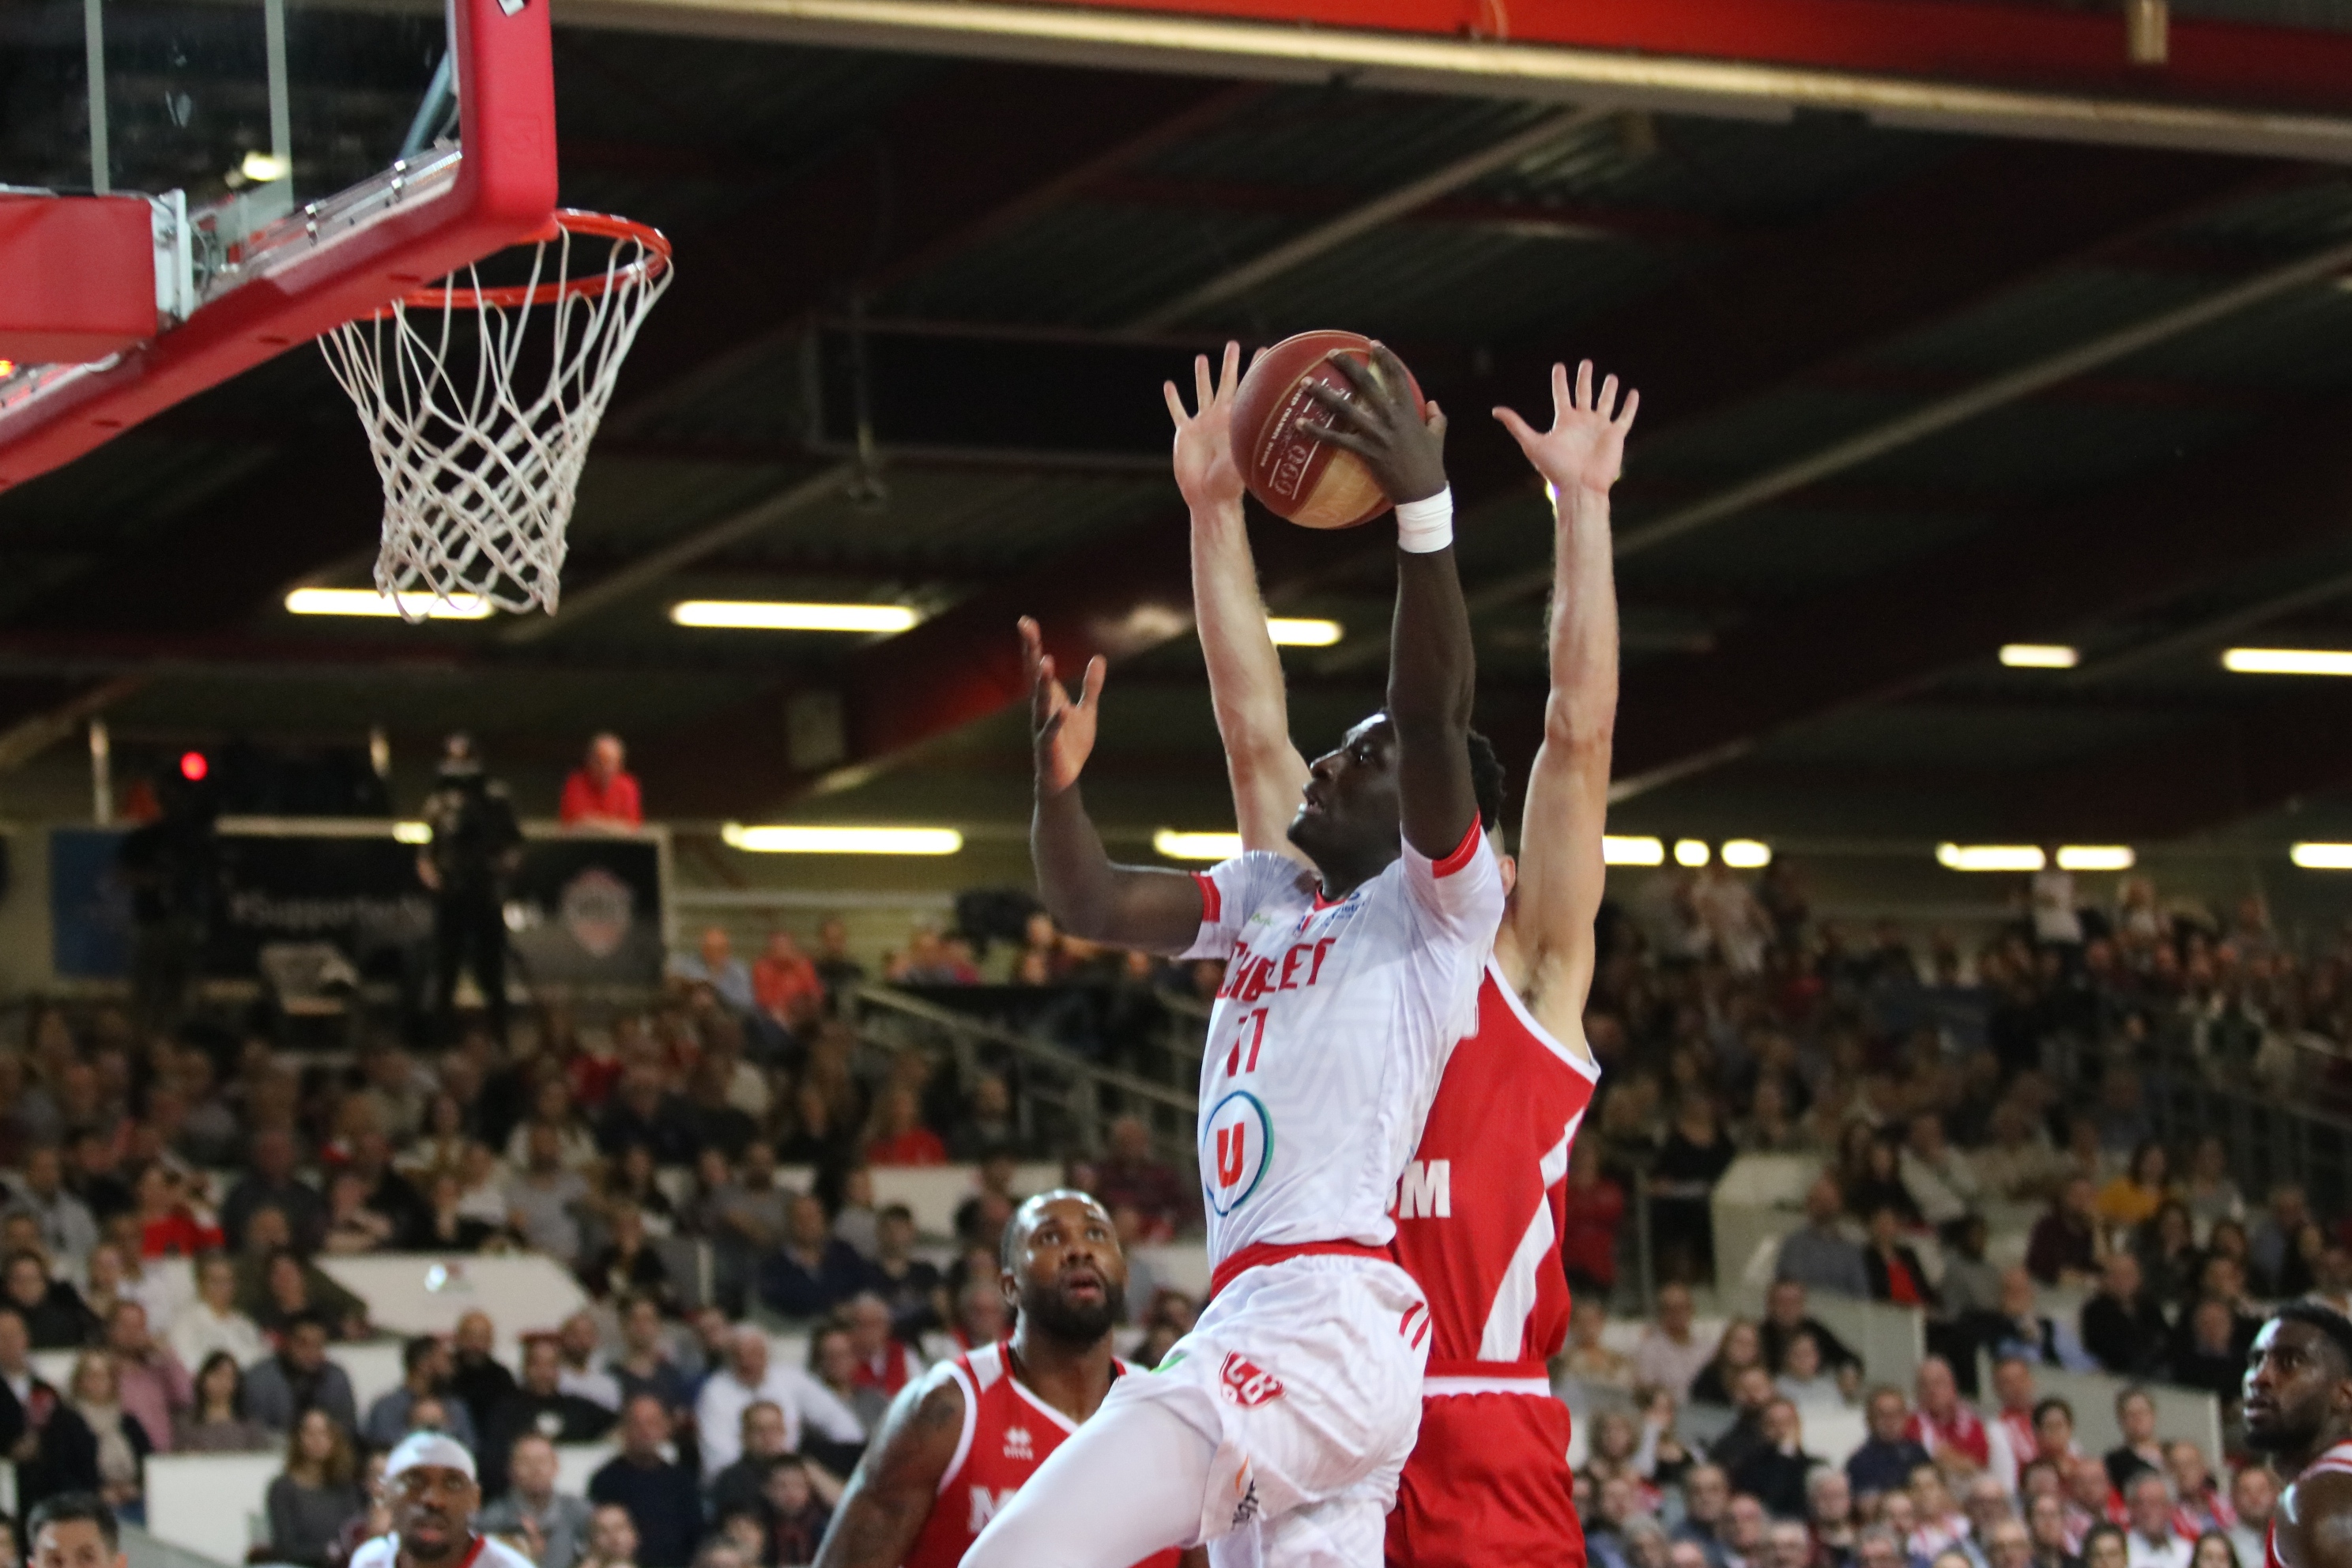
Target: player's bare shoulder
x,y
925,1422
2315,1522
890,1495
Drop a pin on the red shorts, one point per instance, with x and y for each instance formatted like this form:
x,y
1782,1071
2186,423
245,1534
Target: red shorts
x,y
1488,1483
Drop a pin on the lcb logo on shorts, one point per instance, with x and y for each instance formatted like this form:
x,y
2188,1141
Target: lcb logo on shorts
x,y
1236,1150
1246,1385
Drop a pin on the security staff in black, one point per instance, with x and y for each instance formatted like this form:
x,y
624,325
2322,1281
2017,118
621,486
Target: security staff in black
x,y
476,845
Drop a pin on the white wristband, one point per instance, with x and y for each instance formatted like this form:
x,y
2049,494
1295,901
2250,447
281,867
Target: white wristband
x,y
1426,527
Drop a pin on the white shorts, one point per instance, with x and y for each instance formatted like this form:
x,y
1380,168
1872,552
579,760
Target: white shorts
x,y
1306,1374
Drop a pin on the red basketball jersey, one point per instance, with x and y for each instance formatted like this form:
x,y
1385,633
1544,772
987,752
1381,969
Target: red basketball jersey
x,y
1480,1205
1007,1433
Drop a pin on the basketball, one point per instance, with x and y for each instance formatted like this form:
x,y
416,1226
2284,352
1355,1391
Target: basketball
x,y
1308,481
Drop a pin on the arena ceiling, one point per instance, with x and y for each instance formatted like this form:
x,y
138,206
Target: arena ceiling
x,y
1908,395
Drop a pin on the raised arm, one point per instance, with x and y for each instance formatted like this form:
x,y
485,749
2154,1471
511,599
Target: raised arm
x,y
1126,906
1431,670
1548,955
891,1493
1263,767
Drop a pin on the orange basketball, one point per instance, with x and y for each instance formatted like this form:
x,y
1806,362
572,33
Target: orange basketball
x,y
1309,481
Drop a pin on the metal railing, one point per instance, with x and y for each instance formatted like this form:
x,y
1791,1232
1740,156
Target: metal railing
x,y
1063,1098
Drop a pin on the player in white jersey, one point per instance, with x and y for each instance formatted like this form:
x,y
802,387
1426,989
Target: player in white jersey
x,y
1275,1431
429,1482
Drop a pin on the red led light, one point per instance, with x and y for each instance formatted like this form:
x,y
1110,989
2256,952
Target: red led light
x,y
193,767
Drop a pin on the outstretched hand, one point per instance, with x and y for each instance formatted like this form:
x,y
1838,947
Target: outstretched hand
x,y
1585,448
1405,452
1062,731
1205,470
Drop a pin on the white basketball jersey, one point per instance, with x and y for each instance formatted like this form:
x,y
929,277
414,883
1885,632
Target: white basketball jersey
x,y
481,1551
1328,1034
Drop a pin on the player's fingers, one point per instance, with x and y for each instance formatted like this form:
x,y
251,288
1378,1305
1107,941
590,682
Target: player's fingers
x,y
1436,421
1608,404
1359,376
1584,383
1562,399
1632,402
1347,441
1097,671
1176,409
1395,380
1340,405
1518,427
1229,378
1204,392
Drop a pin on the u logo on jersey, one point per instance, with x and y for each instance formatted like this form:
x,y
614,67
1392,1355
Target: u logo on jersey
x,y
1235,1149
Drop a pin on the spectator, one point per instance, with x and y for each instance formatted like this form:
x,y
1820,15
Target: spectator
x,y
2121,1327
1128,1174
297,1378
1750,1394
786,986
54,1449
832,1364
68,1229
1894,1270
896,1135
1941,1184
1829,1509
813,1271
2254,1494
1775,1474
2133,1197
1691,1158
2064,1246
318,1489
476,845
1817,1254
580,1344
1595,1214
748,1376
645,1364
2208,1352
713,963
1786,1316
2045,1526
1805,1380
643,1110
269,1183
539,1405
1706,1502
1971,1283
215,1422
477,1377
2105,1547
2199,1508
612,1538
291,1289
797,1516
1669,1354
2139,1452
541,1197
910,1286
555,1524
2008,1544
53,1310
659,1493
601,793
155,1387
1877,1546
1953,1434
741,1487
2153,1541
1588,1358
885,1366
2212,1196
2021,1331
1888,1456
425,1372
122,1445
987,1128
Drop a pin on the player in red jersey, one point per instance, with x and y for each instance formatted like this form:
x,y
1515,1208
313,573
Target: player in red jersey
x,y
1480,1208
958,1442
2299,1412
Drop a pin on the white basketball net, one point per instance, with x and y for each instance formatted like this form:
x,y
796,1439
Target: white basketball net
x,y
481,458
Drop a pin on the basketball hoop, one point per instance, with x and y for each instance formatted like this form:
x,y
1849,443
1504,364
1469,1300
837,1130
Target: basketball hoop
x,y
479,478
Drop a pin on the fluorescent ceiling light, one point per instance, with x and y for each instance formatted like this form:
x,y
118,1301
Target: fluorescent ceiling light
x,y
2095,857
2287,661
1292,632
1616,850
1691,852
769,616
780,839
368,602
2040,655
1178,845
2322,857
1746,854
263,168
1990,856
412,832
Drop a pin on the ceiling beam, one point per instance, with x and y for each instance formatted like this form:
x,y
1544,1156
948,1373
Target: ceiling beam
x,y
1947,65
2034,578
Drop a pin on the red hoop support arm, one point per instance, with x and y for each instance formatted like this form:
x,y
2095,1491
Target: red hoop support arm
x,y
504,192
